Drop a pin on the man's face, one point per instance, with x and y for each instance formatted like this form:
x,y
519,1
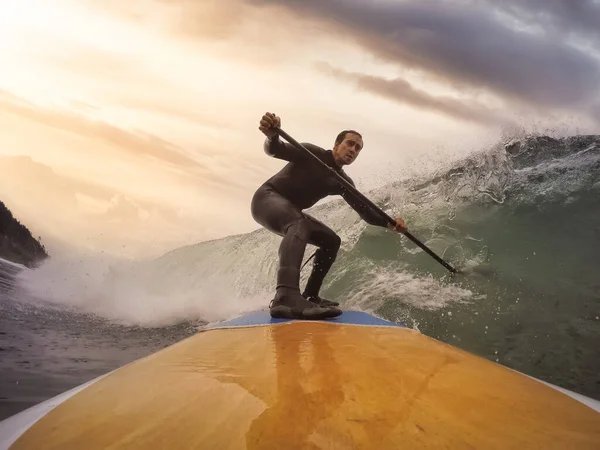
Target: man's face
x,y
347,151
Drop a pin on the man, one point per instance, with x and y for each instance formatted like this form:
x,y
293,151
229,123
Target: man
x,y
277,205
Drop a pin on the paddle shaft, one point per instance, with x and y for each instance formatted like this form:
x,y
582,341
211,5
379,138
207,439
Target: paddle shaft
x,y
346,185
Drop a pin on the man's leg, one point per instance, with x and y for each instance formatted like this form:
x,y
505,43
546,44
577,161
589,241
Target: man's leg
x,y
329,243
280,216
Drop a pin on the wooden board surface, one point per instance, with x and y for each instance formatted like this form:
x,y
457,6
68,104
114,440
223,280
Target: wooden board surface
x,y
309,385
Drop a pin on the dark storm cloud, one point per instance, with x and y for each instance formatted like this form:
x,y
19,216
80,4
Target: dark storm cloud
x,y
539,55
473,45
573,17
404,92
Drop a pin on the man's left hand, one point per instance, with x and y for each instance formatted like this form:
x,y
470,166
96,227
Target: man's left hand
x,y
400,226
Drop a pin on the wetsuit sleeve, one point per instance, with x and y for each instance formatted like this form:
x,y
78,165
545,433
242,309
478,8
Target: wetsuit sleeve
x,y
282,150
365,213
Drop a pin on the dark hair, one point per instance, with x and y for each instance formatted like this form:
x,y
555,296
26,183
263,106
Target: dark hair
x,y
340,137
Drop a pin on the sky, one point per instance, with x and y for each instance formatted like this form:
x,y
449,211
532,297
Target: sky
x,y
131,128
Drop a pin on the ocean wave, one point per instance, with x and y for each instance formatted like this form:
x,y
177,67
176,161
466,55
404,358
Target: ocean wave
x,y
466,212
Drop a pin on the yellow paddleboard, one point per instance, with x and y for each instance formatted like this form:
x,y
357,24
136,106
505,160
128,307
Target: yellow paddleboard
x,y
355,382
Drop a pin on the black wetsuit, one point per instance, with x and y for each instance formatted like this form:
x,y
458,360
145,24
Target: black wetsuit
x,y
277,205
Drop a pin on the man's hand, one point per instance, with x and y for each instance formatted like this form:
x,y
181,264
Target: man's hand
x,y
267,123
400,226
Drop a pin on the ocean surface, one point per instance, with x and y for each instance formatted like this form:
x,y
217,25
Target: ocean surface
x,y
521,219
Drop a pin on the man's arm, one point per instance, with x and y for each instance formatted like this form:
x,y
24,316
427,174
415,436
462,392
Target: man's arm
x,y
282,150
367,214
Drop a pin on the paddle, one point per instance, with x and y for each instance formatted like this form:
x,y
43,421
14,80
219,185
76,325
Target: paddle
x,y
346,185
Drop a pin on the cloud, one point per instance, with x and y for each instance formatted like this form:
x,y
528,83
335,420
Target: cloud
x,y
92,61
475,46
465,44
124,80
152,103
137,144
402,91
530,54
22,176
596,112
57,207
571,17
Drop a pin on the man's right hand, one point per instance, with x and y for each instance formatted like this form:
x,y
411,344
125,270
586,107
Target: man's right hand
x,y
267,123
400,226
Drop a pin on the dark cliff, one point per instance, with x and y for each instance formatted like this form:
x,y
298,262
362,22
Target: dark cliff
x,y
16,242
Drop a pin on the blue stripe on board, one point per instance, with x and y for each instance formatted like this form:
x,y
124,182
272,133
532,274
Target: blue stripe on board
x,y
263,318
